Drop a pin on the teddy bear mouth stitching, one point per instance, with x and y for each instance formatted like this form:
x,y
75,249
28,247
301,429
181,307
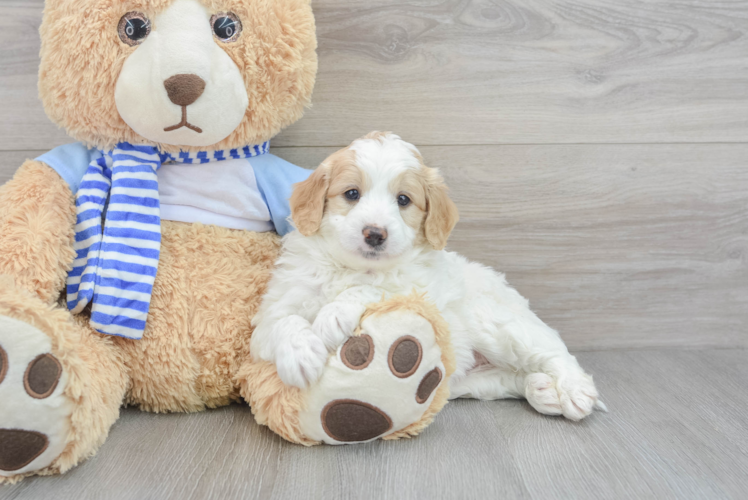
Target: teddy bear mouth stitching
x,y
183,90
184,123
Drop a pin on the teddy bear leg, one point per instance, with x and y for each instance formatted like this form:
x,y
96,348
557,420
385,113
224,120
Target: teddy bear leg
x,y
37,230
387,381
61,386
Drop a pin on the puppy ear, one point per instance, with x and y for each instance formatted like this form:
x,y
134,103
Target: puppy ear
x,y
308,201
441,212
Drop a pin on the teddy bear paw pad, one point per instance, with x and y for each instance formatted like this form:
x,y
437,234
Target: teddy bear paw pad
x,y
377,383
35,414
348,420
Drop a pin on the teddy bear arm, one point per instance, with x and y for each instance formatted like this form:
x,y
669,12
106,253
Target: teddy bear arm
x,y
37,230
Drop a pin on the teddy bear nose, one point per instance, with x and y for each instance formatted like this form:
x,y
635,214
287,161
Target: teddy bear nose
x,y
184,90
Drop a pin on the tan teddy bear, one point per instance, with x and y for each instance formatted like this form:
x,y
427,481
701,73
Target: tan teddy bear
x,y
132,263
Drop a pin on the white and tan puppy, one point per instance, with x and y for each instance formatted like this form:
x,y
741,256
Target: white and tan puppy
x,y
373,220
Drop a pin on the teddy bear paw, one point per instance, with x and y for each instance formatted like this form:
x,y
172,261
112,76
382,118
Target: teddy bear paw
x,y
376,383
34,413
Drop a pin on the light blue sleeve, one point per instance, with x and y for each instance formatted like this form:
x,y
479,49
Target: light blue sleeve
x,y
70,162
275,179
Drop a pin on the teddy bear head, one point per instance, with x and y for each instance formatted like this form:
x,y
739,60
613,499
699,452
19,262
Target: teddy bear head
x,y
178,74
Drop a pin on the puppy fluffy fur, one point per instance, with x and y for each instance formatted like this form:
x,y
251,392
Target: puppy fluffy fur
x,y
329,271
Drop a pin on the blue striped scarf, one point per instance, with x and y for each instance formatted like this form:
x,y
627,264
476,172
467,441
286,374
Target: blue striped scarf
x,y
116,264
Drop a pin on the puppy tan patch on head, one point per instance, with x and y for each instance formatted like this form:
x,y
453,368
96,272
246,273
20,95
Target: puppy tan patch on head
x,y
334,177
411,184
346,175
429,195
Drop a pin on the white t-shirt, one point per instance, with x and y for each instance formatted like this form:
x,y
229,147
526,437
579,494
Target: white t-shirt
x,y
222,193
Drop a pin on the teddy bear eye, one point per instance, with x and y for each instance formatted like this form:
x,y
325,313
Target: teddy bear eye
x,y
133,28
226,26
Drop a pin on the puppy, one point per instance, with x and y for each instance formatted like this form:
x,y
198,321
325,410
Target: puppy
x,y
373,221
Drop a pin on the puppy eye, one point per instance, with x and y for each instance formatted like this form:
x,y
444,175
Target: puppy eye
x,y
352,195
133,28
226,26
403,200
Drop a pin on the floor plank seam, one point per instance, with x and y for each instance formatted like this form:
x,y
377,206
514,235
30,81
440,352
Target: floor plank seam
x,y
476,145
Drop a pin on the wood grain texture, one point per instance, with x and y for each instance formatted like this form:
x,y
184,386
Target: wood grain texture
x,y
10,161
548,71
676,429
482,72
23,124
616,246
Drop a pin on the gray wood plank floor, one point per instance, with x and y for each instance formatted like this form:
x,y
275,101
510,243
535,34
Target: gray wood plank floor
x,y
676,429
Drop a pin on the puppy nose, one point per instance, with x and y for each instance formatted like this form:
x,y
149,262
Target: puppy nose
x,y
184,90
374,236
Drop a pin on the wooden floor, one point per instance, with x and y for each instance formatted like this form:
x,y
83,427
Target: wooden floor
x,y
677,428
598,153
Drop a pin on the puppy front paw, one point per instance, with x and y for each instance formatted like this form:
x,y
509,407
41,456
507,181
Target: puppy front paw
x,y
300,358
336,321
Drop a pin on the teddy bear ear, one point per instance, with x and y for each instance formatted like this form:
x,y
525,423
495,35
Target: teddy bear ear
x,y
308,201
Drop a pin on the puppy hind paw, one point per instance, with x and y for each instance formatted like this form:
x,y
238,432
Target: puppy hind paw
x,y
574,396
540,391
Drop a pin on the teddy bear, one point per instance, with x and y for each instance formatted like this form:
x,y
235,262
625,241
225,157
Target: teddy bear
x,y
133,261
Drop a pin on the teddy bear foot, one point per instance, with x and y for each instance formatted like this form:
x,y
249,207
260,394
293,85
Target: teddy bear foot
x,y
35,412
388,381
380,383
61,386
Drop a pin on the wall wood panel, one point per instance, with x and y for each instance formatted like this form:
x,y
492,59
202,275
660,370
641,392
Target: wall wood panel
x,y
482,72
